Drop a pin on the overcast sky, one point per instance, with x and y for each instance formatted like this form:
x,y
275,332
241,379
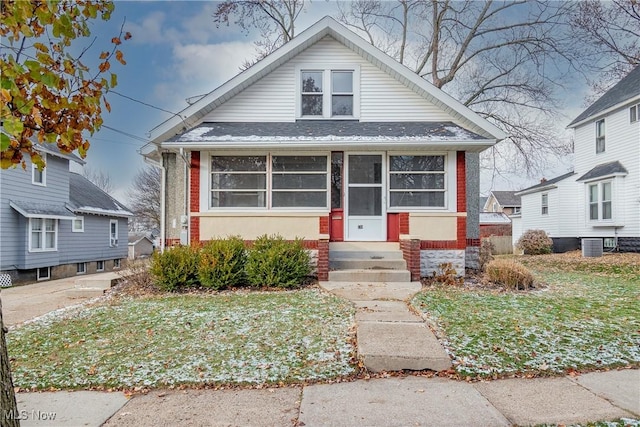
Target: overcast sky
x,y
177,52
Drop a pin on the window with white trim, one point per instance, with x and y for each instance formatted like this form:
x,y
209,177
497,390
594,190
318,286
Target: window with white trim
x,y
634,113
77,224
99,265
81,268
116,263
417,181
113,233
270,181
43,234
600,201
39,177
43,273
600,136
544,203
328,92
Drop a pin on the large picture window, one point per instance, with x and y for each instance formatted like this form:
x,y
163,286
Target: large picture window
x,y
43,234
269,181
417,181
238,181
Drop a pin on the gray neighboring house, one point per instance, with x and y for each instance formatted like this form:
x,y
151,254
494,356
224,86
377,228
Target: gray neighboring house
x,y
503,201
140,245
56,223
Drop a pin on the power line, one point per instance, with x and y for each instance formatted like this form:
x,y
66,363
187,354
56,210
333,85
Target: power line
x,y
130,135
142,102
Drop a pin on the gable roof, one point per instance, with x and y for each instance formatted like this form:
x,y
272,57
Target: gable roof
x,y
604,169
193,114
546,185
507,198
86,197
625,90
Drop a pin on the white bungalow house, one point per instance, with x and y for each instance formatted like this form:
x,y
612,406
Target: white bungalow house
x,y
601,197
327,139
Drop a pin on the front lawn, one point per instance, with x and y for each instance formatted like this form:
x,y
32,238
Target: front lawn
x,y
586,318
239,338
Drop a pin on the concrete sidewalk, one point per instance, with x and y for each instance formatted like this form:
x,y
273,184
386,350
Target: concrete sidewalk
x,y
21,303
399,401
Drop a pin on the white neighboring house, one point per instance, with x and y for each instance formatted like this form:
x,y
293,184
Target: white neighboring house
x,y
602,197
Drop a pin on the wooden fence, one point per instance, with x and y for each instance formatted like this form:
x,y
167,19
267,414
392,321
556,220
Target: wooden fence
x,y
502,244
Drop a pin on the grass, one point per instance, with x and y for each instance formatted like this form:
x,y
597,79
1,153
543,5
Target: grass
x,y
587,318
243,338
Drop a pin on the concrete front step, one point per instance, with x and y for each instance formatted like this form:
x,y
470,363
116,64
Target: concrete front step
x,y
367,264
364,246
369,291
363,275
396,346
372,255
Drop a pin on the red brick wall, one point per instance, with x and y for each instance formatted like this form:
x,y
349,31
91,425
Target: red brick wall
x,y
404,222
495,230
323,259
324,225
194,197
461,187
411,254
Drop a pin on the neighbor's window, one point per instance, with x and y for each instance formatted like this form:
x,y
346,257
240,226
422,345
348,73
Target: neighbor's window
x,y
299,181
311,89
113,233
545,204
238,181
44,273
77,225
43,234
341,93
81,268
99,265
600,201
600,136
634,113
116,263
417,181
39,177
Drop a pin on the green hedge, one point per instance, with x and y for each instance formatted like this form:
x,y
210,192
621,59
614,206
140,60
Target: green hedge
x,y
271,262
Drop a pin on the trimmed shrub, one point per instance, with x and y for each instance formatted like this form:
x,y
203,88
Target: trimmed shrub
x,y
510,274
535,242
222,263
175,268
273,261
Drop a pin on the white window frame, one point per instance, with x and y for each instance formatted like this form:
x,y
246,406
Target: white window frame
x,y
81,268
43,174
447,172
206,173
43,232
40,277
210,173
98,268
634,113
327,89
113,241
600,201
544,204
116,263
73,225
601,133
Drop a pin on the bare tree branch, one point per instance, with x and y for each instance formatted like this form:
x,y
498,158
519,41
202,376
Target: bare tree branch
x,y
100,178
144,199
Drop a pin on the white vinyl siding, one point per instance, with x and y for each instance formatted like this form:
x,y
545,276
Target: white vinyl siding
x,y
274,97
623,145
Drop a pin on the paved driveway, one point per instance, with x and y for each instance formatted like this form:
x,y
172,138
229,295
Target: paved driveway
x,y
25,302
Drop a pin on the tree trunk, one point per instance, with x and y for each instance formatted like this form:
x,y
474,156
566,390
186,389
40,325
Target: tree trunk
x,y
9,415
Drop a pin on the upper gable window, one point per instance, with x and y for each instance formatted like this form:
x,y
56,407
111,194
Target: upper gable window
x,y
634,113
328,93
600,136
39,177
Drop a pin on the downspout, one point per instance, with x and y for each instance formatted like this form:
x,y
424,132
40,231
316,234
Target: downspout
x,y
163,179
185,202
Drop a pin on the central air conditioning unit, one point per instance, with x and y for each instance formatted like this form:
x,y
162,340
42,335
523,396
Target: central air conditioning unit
x,y
591,248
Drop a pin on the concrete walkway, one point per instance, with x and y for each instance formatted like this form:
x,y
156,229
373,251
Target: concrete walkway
x,y
390,336
21,303
400,401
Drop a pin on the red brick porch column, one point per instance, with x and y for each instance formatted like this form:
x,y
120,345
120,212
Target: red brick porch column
x,y
411,254
323,259
194,198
